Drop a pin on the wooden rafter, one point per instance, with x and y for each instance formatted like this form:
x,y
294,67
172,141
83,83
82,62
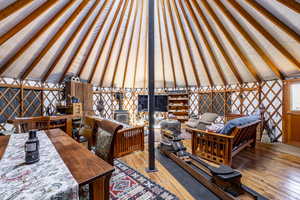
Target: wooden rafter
x,y
247,62
138,47
81,67
265,33
274,19
112,44
26,21
92,74
52,41
12,8
35,37
205,40
218,42
249,39
122,43
169,45
189,48
291,4
68,43
161,45
130,43
177,43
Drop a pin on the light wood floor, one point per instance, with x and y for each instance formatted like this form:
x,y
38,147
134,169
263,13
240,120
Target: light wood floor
x,y
271,170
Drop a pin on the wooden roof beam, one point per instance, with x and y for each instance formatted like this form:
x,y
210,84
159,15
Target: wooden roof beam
x,y
81,67
265,33
274,20
122,43
130,43
247,62
138,48
189,48
35,36
205,40
68,43
177,44
112,44
52,41
14,7
291,4
218,42
249,39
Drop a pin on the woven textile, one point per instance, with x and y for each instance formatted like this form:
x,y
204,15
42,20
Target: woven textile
x,y
47,179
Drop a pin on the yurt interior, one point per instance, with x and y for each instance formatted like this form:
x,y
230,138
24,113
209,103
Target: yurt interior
x,y
149,99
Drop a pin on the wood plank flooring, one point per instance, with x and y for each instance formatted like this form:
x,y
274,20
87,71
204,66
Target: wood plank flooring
x,y
272,170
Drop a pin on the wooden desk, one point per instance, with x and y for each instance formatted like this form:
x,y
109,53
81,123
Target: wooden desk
x,y
85,166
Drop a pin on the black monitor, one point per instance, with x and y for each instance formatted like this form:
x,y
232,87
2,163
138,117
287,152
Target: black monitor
x,y
161,103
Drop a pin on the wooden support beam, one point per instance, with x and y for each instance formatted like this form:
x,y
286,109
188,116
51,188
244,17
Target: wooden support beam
x,y
52,41
291,4
92,74
81,67
138,47
265,33
161,45
218,42
112,44
247,62
26,20
35,36
189,48
130,43
251,41
177,42
68,43
122,43
205,40
274,19
14,7
169,43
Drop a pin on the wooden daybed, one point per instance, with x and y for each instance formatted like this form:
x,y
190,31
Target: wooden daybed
x,y
219,148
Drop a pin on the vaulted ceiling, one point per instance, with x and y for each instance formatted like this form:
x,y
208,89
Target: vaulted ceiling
x,y
197,42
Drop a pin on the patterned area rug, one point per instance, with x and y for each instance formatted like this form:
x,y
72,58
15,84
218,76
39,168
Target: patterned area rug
x,y
128,184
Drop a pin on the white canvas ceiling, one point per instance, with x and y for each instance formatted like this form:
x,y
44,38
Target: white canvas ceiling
x,y
197,42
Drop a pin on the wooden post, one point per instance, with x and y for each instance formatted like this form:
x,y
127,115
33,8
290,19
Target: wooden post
x,y
151,87
21,99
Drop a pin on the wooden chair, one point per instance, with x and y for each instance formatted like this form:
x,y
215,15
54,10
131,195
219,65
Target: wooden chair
x,y
26,124
219,148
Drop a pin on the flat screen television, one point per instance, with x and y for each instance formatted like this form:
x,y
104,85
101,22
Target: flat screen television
x,y
161,103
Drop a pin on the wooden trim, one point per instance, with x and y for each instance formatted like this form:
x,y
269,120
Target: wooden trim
x,y
35,36
177,42
14,7
130,44
139,46
26,20
122,43
274,20
189,48
247,62
205,40
265,33
52,41
92,74
291,4
112,45
169,43
218,42
68,43
249,39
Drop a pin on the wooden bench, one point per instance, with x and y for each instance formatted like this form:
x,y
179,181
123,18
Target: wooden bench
x,y
219,148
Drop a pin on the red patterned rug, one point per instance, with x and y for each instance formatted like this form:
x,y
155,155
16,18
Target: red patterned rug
x,y
128,184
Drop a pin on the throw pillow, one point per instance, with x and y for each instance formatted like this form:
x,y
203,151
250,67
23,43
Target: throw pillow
x,y
103,143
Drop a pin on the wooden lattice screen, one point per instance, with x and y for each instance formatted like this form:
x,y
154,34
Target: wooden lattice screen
x,y
31,98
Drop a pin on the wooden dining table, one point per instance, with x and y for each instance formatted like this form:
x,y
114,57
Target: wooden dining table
x,y
86,167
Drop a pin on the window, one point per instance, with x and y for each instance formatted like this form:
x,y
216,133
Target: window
x,y
295,97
